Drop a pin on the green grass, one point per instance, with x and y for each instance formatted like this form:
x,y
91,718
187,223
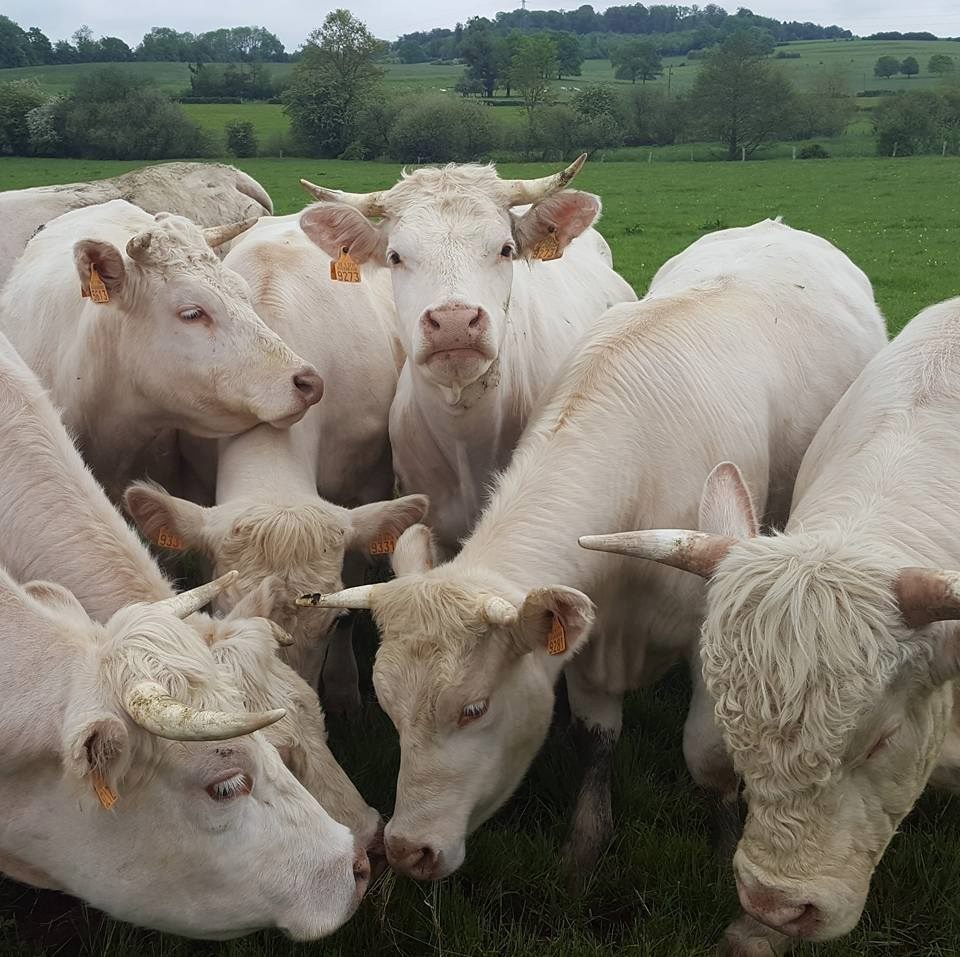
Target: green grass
x,y
659,891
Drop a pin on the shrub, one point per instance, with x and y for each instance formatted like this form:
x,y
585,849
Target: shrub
x,y
42,124
241,138
17,100
917,122
440,129
813,151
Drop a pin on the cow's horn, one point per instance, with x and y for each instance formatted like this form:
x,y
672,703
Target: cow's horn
x,y
188,602
151,707
696,552
925,595
524,191
370,204
218,235
359,597
498,611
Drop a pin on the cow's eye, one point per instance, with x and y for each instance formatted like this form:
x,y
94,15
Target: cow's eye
x,y
881,744
471,712
393,258
230,785
191,314
508,251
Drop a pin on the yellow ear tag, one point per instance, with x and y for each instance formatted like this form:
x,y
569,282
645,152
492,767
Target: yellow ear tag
x,y
344,268
383,545
105,794
98,291
167,539
557,639
549,247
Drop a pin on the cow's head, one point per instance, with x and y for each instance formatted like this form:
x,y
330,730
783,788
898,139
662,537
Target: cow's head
x,y
465,670
185,332
279,551
828,672
152,798
452,243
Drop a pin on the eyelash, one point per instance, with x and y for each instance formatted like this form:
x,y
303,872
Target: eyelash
x,y
230,788
880,745
472,712
191,315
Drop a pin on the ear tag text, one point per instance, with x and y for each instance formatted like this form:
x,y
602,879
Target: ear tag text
x,y
105,794
549,247
557,639
98,290
383,544
344,268
167,539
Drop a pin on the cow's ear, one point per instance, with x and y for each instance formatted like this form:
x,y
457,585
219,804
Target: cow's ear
x,y
726,507
333,227
554,621
414,552
97,748
375,528
54,596
165,520
561,217
106,259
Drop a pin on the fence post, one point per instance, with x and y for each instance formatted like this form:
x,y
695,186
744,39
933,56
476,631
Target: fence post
x,y
743,154
895,145
944,153
650,157
794,152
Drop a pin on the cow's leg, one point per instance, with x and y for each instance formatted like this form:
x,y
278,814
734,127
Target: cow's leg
x,y
747,937
597,720
340,681
710,765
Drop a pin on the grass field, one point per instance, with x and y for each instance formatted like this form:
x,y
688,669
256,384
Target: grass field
x,y
659,891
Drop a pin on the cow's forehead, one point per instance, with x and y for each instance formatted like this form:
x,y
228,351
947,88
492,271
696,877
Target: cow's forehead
x,y
478,184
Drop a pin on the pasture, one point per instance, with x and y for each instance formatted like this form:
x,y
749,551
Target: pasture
x,y
660,890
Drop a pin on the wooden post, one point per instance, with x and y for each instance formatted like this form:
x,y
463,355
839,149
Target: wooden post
x,y
743,154
895,145
944,153
650,157
794,152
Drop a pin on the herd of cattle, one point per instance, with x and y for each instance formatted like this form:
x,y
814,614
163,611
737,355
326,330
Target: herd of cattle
x,y
471,343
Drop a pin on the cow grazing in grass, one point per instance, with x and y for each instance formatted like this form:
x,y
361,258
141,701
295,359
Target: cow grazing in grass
x,y
58,525
830,650
483,321
175,345
207,193
744,343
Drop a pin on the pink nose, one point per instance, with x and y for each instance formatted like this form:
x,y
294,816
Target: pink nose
x,y
309,384
776,909
415,860
454,327
361,871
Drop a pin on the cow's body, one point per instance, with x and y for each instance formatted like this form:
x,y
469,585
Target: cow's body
x,y
207,193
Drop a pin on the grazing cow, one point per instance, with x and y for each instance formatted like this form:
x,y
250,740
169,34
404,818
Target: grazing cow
x,y
173,342
827,648
483,321
268,520
59,526
207,193
744,343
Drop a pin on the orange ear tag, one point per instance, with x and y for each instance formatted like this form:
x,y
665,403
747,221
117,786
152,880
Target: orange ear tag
x,y
344,268
557,639
98,291
549,247
105,794
167,539
383,544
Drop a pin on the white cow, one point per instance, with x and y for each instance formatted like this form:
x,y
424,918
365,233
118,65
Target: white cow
x,y
269,519
177,346
58,525
744,343
826,648
484,323
207,193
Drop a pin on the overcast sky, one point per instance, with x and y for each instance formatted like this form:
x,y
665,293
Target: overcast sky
x,y
292,20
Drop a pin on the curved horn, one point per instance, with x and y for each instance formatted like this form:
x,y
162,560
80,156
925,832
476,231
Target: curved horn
x,y
531,190
498,611
218,235
370,204
151,707
359,597
925,595
188,602
280,635
696,552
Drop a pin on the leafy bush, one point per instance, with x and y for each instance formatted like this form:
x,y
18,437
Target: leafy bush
x,y
42,125
440,129
917,122
241,138
812,151
17,100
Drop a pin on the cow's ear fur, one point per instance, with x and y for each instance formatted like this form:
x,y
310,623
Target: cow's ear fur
x,y
726,507
414,552
54,596
98,745
106,259
155,511
566,214
564,613
333,226
380,520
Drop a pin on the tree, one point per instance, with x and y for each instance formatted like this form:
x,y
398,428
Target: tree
x,y
740,97
241,138
88,50
441,129
335,78
569,54
114,50
14,44
636,59
917,122
484,55
17,100
909,67
886,66
941,63
827,108
531,70
41,49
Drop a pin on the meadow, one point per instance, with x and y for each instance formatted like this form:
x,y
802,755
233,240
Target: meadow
x,y
660,890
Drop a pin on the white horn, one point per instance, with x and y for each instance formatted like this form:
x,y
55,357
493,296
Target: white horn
x,y
189,602
524,191
498,611
151,707
218,235
370,204
695,552
359,597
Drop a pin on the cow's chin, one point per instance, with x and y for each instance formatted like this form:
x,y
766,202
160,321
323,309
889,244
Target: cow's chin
x,y
456,368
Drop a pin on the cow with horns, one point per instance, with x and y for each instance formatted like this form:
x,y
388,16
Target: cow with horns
x,y
744,343
493,280
830,650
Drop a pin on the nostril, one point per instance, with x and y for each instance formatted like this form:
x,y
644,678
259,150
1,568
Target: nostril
x,y
361,868
475,321
309,385
433,322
